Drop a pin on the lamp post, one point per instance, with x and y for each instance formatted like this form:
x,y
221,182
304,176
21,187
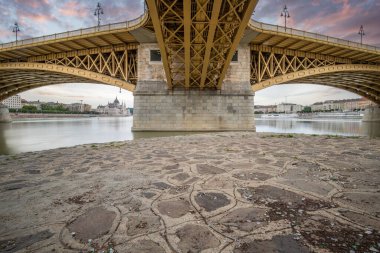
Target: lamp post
x,y
361,33
16,29
98,12
285,14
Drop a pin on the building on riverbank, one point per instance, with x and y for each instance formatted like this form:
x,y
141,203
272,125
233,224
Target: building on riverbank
x,y
265,108
280,108
289,108
13,102
114,109
357,104
78,107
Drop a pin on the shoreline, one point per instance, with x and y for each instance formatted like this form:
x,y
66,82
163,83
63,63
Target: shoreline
x,y
16,116
177,134
236,191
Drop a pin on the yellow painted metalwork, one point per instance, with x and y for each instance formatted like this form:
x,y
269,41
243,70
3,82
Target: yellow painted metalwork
x,y
16,77
281,56
106,54
312,43
362,79
187,40
242,13
199,38
93,37
210,38
155,15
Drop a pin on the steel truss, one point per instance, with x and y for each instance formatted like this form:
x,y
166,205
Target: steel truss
x,y
121,64
198,38
265,65
273,68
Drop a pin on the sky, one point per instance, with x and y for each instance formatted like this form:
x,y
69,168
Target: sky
x,y
337,18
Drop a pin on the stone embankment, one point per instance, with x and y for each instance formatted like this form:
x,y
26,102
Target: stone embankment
x,y
220,192
49,115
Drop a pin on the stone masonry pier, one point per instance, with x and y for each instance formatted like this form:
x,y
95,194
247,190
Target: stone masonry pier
x,y
216,192
158,109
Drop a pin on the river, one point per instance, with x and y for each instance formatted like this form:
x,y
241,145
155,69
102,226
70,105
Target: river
x,y
41,134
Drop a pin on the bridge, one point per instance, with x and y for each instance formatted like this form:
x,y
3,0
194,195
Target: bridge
x,y
191,65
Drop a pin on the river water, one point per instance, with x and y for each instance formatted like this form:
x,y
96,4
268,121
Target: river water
x,y
41,134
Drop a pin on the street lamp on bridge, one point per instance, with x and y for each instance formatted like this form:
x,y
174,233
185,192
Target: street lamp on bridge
x,y
361,33
16,29
98,12
285,14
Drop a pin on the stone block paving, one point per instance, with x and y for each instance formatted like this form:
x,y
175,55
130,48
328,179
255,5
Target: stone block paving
x,y
217,192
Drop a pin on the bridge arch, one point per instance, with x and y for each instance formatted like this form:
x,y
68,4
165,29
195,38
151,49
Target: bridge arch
x,y
361,79
16,77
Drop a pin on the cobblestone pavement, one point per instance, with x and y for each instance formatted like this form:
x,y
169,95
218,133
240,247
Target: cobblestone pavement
x,y
220,192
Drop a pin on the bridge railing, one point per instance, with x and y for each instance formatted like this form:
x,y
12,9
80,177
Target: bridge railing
x,y
304,34
103,28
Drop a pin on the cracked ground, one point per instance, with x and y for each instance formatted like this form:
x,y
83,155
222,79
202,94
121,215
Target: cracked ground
x,y
220,192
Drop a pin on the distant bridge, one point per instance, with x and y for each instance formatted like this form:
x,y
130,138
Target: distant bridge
x,y
205,49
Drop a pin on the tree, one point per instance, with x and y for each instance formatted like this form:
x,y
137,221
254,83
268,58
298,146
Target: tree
x,y
29,108
306,109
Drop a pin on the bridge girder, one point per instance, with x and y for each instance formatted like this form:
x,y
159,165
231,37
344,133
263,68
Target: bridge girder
x,y
361,79
198,38
16,77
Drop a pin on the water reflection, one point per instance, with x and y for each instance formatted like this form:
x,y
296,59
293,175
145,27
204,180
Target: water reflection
x,y
41,134
4,148
371,129
320,126
33,135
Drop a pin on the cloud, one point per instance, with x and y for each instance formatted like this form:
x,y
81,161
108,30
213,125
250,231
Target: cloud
x,y
43,17
337,18
72,9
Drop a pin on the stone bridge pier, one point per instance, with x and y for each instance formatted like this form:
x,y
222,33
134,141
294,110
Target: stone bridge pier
x,y
157,108
372,114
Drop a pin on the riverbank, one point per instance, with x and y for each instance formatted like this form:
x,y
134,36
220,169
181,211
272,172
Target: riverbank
x,y
16,116
220,192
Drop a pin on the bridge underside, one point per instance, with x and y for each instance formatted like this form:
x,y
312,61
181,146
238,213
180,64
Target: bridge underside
x,y
363,80
198,39
278,66
18,77
13,82
213,59
365,84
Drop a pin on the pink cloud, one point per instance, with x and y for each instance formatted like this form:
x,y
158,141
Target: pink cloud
x,y
33,3
6,33
332,19
72,9
315,2
34,17
336,18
